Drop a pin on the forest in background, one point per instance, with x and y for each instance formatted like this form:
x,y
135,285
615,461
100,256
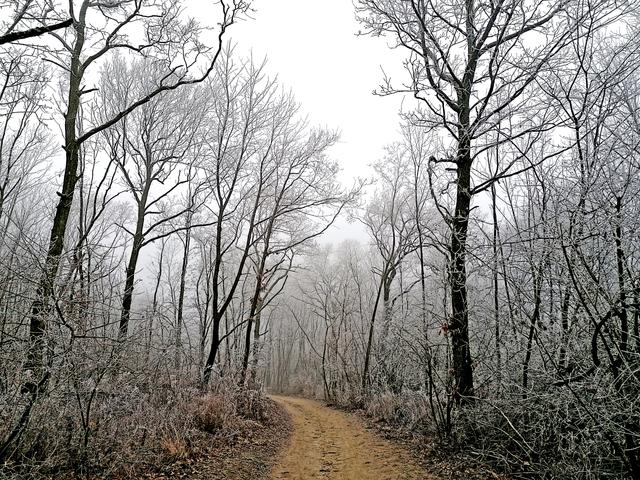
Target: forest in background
x,y
163,205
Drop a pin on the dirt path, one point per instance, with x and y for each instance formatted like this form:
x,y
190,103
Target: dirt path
x,y
332,445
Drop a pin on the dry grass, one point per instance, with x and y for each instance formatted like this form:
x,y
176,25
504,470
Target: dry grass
x,y
132,427
212,412
176,448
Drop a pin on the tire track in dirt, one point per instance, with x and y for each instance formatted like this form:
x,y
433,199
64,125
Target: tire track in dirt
x,y
329,444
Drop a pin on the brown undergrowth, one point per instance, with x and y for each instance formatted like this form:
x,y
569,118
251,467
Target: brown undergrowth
x,y
228,433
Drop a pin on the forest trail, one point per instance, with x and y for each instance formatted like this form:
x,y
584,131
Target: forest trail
x,y
332,445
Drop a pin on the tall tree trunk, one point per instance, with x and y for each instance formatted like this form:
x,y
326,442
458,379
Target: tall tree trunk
x,y
459,324
564,323
253,309
218,309
127,297
256,300
389,377
533,325
423,286
41,304
496,302
183,281
622,294
256,342
154,305
203,322
38,347
213,351
367,355
325,380
138,239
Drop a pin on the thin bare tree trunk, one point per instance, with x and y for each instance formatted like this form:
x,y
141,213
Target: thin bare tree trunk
x,y
496,303
138,239
365,381
183,281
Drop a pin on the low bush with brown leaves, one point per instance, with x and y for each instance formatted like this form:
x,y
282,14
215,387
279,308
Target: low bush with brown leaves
x,y
129,426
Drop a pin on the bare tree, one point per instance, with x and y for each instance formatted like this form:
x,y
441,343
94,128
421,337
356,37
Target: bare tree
x,y
392,227
154,153
242,135
300,203
24,141
471,65
79,52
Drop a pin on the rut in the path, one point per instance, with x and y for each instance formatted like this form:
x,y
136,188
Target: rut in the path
x,y
331,445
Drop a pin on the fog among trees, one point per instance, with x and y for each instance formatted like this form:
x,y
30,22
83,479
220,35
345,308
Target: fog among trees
x,y
165,263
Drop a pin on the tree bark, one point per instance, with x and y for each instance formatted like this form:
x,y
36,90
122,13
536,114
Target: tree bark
x,y
533,325
34,32
40,307
250,322
138,239
215,345
459,324
367,356
256,343
622,294
183,281
496,302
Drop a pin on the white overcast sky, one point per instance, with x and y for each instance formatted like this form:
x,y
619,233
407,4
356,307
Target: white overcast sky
x,y
313,48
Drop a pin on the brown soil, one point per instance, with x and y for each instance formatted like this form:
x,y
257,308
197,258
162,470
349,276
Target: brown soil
x,y
329,444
